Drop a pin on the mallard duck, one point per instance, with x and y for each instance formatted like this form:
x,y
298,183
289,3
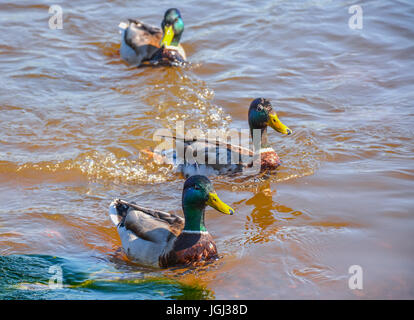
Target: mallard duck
x,y
161,239
216,155
144,43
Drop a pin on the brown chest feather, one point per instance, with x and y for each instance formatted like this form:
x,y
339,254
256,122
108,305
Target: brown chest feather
x,y
190,249
167,57
269,160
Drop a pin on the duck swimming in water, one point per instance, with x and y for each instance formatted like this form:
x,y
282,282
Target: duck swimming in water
x,y
260,116
143,43
159,239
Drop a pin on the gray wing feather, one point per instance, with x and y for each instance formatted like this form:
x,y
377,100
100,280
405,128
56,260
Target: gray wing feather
x,y
149,224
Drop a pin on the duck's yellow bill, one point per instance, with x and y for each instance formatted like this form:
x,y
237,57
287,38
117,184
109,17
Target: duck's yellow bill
x,y
168,36
215,202
276,124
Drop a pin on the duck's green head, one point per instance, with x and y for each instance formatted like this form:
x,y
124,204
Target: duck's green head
x,y
173,26
198,192
261,115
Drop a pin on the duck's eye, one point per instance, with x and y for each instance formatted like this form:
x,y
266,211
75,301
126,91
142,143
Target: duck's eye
x,y
259,107
196,187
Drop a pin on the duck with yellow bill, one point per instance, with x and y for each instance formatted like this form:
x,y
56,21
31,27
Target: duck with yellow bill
x,y
145,44
220,157
160,239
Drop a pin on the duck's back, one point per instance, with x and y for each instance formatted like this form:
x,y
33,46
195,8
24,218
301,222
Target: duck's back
x,y
145,234
140,41
142,239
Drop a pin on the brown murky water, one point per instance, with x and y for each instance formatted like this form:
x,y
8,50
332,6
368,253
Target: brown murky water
x,y
73,117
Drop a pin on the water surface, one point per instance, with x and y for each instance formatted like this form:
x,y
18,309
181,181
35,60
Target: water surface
x,y
73,118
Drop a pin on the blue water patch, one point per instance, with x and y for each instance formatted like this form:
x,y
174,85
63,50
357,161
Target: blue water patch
x,y
28,277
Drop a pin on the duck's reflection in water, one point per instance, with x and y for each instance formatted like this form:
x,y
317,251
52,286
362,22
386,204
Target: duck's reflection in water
x,y
267,216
